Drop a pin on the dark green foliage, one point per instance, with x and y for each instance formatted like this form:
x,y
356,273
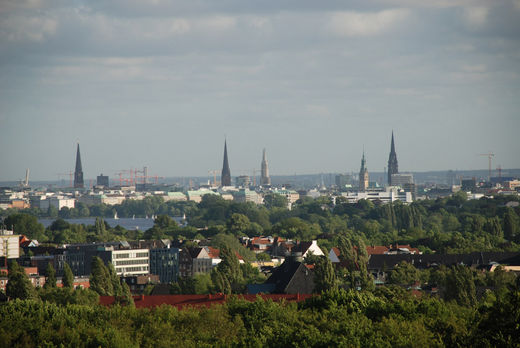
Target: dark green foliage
x,y
404,274
337,318
25,224
100,278
68,277
460,286
324,275
50,280
19,286
500,324
511,225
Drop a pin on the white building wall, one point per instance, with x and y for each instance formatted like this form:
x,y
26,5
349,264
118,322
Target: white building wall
x,y
131,262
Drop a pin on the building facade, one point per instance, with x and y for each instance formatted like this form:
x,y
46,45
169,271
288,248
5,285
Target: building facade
x,y
164,262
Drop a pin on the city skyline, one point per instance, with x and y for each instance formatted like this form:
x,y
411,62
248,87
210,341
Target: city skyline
x,y
161,84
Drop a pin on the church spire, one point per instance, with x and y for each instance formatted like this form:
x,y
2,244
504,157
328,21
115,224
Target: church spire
x,y
392,161
78,173
225,178
363,174
265,180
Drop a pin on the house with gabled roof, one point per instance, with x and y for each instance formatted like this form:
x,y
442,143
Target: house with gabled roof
x,y
291,277
306,248
194,260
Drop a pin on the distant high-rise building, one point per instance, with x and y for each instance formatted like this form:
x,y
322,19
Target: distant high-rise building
x,y
363,175
342,180
225,178
243,181
392,162
102,180
78,173
265,180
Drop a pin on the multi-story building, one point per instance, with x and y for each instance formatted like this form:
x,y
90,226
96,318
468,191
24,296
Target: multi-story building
x,y
193,261
126,261
164,262
57,202
103,180
243,181
401,179
9,244
390,195
246,195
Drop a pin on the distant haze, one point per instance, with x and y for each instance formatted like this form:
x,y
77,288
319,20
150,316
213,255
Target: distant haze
x,y
161,83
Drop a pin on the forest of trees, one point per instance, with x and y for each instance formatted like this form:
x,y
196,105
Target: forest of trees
x,y
473,308
387,317
447,225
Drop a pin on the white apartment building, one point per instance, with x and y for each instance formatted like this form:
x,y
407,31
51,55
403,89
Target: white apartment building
x,y
9,244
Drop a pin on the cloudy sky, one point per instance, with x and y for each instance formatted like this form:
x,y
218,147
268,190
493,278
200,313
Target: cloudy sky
x,y
162,83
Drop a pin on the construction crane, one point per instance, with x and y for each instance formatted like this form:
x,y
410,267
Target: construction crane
x,y
490,157
25,183
70,174
144,178
214,173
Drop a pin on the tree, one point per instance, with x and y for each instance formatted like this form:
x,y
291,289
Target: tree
x,y
50,280
25,224
460,286
164,221
404,274
68,277
18,284
510,224
115,280
273,200
324,275
227,276
100,281
238,224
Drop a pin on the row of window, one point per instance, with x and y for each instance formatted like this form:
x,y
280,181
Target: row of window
x,y
132,269
131,262
129,255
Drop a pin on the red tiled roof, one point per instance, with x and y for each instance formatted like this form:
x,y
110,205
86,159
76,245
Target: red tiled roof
x,y
214,253
181,301
376,250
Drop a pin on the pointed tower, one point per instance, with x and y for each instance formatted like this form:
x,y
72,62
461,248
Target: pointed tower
x,y
363,174
225,178
392,162
265,180
78,173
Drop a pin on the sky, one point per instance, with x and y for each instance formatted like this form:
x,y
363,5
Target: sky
x,y
162,83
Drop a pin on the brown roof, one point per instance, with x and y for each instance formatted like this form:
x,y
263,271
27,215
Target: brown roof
x,y
181,301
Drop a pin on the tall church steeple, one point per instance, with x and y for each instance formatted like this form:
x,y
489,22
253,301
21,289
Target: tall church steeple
x,y
78,172
363,174
392,161
265,180
225,178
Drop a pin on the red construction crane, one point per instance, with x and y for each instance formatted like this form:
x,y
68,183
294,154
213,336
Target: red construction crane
x,y
70,174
